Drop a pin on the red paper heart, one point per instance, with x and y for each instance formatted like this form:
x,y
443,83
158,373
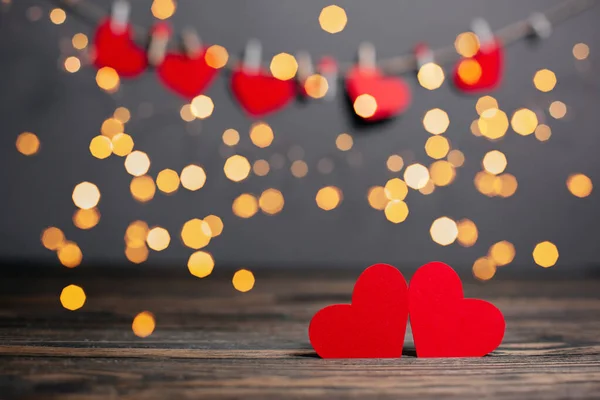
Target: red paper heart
x,y
392,94
444,323
261,93
118,51
186,76
491,61
373,326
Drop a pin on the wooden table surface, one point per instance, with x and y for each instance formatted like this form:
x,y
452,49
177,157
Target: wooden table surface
x,y
214,342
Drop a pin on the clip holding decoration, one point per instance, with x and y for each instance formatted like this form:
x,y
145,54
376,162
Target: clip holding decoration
x,y
375,97
541,27
305,71
157,45
187,73
258,92
484,70
114,46
328,69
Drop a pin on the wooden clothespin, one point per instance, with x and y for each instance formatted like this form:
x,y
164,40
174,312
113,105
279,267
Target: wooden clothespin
x,y
192,45
119,16
252,56
159,40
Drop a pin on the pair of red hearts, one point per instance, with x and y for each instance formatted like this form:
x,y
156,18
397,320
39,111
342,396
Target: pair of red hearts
x,y
444,323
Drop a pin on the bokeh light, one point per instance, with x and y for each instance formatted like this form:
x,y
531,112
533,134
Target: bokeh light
x,y
243,280
167,181
328,198
437,147
494,162
202,106
396,211
101,147
215,223
142,188
112,126
69,254
428,188
456,158
192,177
122,114
467,44
108,79
316,86
485,103
469,71
284,66
163,9
333,19
544,80
186,113
442,173
557,109
505,185
365,105
394,163
543,132
579,185
444,231
237,168
344,142
86,195
245,205
581,51
524,121
484,182
216,56
377,197
72,297
143,324
484,269
299,169
86,219
58,16
475,128
436,121
158,238
502,253
231,137
53,238
137,163
137,255
72,64
416,176
430,76
122,144
395,189
201,264
545,254
261,134
136,234
467,232
28,143
271,201
493,123
196,233
261,167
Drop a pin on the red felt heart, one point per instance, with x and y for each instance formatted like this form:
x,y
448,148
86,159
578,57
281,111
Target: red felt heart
x,y
186,76
444,323
392,94
118,51
261,93
491,61
373,326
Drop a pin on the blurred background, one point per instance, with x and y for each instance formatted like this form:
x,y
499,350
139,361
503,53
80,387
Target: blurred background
x,y
284,217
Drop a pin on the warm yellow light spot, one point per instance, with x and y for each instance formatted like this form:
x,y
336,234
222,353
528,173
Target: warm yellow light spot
x,y
416,176
581,51
543,132
494,162
108,79
456,158
111,127
72,64
437,147
158,238
186,113
333,19
493,123
505,185
28,143
193,177
467,44
237,168
442,173
396,211
469,71
524,121
137,163
58,16
467,232
53,238
299,169
72,297
202,106
557,109
316,86
136,234
142,188
284,66
216,56
201,264
122,144
261,167
485,103
137,255
344,142
484,182
86,195
196,233
430,76
436,121
544,80
365,105
328,198
243,280
428,188
484,269
245,205
163,9
271,201
394,163
231,137
579,185
215,223
377,197
101,147
86,219
122,114
261,134
443,231
143,324
502,253
395,189
545,254
475,128
167,181
69,255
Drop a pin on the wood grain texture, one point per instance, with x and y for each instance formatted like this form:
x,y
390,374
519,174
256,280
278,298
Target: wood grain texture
x,y
216,343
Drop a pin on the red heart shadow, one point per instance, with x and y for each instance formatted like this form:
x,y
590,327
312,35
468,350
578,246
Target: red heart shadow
x,y
186,76
118,51
392,94
373,326
261,93
491,61
444,323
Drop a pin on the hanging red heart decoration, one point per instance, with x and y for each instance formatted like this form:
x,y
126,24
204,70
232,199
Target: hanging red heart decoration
x,y
392,94
117,50
483,71
260,93
186,76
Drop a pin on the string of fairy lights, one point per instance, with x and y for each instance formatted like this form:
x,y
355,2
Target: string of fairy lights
x,y
492,123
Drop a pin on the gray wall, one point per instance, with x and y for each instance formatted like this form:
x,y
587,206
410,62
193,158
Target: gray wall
x,y
66,111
